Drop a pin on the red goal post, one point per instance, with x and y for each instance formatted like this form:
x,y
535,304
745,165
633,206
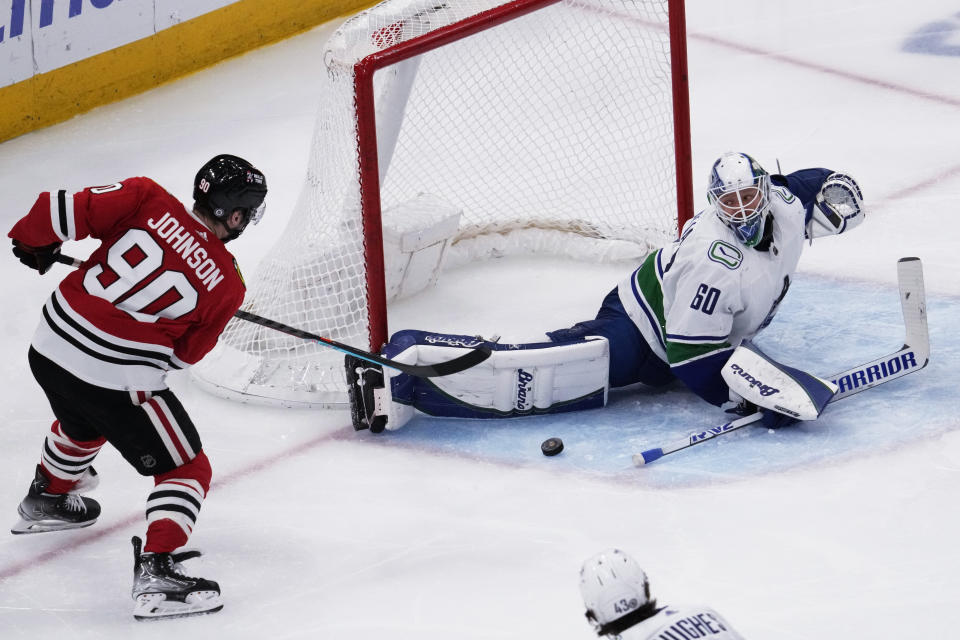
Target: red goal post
x,y
536,119
402,50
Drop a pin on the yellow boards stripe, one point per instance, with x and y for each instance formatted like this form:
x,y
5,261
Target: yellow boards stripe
x,y
169,54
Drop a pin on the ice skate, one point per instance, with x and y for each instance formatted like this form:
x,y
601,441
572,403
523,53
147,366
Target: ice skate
x,y
160,590
41,511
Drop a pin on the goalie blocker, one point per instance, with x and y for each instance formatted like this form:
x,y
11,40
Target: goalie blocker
x,y
765,383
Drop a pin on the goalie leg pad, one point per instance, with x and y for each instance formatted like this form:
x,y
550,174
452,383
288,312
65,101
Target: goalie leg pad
x,y
520,379
771,385
517,380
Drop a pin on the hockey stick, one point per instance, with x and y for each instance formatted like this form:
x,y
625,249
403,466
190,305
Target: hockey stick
x,y
913,356
474,357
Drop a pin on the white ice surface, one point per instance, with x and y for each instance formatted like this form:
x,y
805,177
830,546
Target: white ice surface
x,y
843,528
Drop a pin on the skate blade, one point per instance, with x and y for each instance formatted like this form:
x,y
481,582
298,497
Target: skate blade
x,y
155,606
43,526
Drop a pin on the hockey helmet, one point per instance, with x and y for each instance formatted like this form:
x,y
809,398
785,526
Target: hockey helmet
x,y
739,189
612,585
227,183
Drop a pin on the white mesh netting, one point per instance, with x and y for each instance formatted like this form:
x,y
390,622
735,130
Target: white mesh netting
x,y
551,132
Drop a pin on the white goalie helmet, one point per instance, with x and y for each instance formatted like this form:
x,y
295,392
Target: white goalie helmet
x,y
739,189
612,585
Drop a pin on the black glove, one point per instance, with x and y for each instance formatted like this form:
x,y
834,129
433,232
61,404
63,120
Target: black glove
x,y
39,258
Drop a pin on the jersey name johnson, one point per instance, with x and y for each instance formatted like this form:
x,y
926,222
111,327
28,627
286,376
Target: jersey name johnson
x,y
188,247
154,295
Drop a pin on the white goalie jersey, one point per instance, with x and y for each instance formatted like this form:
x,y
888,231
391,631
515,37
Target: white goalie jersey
x,y
674,623
697,299
693,302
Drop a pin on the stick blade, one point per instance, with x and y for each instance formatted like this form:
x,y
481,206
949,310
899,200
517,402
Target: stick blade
x,y
913,302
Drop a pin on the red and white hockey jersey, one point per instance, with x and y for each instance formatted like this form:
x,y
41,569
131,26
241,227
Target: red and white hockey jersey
x,y
154,296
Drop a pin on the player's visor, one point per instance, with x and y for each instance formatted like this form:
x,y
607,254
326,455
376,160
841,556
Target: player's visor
x,y
256,213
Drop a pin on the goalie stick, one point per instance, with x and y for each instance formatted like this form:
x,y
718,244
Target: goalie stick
x,y
474,357
913,356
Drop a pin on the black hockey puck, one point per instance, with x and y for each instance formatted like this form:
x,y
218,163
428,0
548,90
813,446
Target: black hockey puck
x,y
551,446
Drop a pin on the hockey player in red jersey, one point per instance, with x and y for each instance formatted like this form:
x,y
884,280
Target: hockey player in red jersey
x,y
153,297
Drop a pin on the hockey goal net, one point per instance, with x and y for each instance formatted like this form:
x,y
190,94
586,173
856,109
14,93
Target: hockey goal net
x,y
554,126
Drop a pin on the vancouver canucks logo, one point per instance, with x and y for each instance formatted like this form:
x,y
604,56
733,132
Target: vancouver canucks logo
x,y
726,254
785,195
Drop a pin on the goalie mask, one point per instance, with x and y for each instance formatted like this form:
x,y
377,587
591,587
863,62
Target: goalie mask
x,y
228,183
613,586
739,189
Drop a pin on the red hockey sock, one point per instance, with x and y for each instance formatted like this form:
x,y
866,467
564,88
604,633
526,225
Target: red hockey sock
x,y
64,459
174,504
164,536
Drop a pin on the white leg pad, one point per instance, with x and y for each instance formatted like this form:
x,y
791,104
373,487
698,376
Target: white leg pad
x,y
398,414
515,380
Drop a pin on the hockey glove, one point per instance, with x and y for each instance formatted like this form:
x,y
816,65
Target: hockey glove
x,y
39,258
838,207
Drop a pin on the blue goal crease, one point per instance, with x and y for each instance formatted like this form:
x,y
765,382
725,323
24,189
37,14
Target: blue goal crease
x,y
861,324
940,38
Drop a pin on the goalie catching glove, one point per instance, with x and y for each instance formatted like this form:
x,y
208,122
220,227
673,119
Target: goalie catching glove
x,y
838,207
